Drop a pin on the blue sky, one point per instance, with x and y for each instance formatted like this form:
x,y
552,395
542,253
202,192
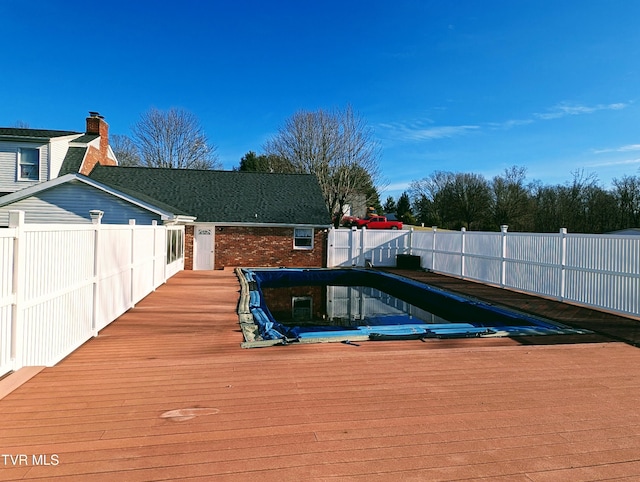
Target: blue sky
x,y
458,85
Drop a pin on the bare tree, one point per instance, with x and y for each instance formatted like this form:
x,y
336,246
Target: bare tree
x,y
173,139
511,199
430,194
453,199
337,147
627,193
125,150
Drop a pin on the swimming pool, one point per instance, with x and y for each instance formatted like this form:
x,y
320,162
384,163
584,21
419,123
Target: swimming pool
x,y
285,305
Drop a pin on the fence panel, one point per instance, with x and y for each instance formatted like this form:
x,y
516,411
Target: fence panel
x,y
7,237
55,292
142,259
599,271
114,277
338,247
380,247
160,268
344,246
483,257
51,329
534,263
5,339
66,282
359,247
422,244
447,250
603,271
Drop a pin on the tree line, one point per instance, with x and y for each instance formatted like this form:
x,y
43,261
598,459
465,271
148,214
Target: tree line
x,y
453,200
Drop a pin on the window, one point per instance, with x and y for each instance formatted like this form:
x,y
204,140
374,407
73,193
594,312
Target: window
x,y
29,164
303,238
301,308
175,243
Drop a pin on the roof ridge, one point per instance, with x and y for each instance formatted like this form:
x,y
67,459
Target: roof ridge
x,y
29,132
173,169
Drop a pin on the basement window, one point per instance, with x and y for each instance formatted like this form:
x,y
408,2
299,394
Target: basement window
x,y
28,164
303,238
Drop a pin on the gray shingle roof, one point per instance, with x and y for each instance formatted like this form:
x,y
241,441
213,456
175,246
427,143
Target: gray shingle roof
x,y
86,138
72,161
225,196
34,133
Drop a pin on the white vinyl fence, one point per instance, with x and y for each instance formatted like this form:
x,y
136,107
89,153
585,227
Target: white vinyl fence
x,y
61,284
598,271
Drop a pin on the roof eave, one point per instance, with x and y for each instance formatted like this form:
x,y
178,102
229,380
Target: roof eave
x,y
36,138
262,225
179,219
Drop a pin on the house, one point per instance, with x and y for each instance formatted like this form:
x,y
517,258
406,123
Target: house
x,y
242,218
231,218
31,156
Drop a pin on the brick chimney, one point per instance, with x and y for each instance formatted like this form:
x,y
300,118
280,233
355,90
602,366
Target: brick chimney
x,y
97,125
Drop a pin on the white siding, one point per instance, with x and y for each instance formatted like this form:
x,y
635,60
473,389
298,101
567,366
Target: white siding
x,y
59,148
9,165
71,203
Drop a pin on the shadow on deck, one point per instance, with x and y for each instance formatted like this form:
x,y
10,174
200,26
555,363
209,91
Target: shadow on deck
x,y
606,326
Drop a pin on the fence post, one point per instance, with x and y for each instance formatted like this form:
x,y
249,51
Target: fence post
x,y
96,273
363,243
16,221
132,228
154,264
563,262
463,230
503,256
410,240
433,248
329,245
352,245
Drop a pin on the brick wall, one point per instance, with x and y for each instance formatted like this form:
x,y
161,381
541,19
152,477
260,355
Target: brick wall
x,y
258,246
188,247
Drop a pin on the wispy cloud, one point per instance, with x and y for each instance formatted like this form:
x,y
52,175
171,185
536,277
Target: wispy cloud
x,y
508,124
628,148
415,132
397,186
566,109
425,130
624,162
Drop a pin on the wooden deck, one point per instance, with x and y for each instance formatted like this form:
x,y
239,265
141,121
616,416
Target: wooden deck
x,y
166,393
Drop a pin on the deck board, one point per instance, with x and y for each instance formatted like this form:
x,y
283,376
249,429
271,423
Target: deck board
x,y
493,409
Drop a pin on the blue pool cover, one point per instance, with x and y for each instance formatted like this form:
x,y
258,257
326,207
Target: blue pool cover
x,y
468,317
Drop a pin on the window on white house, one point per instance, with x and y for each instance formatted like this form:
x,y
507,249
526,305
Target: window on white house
x,y
29,164
303,238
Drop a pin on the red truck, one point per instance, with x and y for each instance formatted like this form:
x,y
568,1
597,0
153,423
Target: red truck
x,y
376,222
